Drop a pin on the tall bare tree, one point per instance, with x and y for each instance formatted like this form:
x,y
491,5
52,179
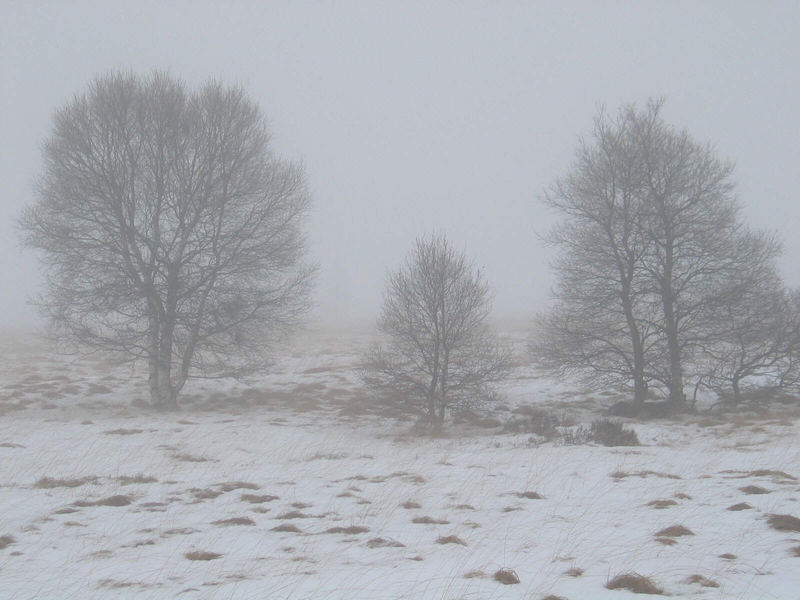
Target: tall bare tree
x,y
440,348
168,230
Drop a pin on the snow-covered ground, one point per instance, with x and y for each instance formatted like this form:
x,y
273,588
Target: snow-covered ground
x,y
298,485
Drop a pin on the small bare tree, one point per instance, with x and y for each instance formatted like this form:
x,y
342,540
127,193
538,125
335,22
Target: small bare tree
x,y
168,230
440,347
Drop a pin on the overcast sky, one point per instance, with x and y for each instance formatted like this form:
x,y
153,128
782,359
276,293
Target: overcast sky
x,y
420,116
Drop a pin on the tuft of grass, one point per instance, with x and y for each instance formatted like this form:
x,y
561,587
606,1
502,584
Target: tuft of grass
x,y
353,529
237,485
116,500
257,498
553,597
234,521
476,574
6,541
682,496
123,431
754,489
506,576
287,528
660,504
633,582
783,522
450,539
186,457
139,478
574,572
728,556
666,541
643,474
293,514
49,482
740,506
795,551
206,494
384,543
410,504
530,495
429,521
674,531
202,555
773,473
702,580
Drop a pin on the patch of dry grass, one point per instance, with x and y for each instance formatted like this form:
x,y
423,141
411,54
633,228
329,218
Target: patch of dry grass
x,y
50,482
205,494
410,504
384,543
795,551
643,474
286,528
139,478
530,495
234,521
660,504
740,506
783,522
754,490
115,500
701,580
6,541
574,572
429,521
186,457
229,486
123,431
258,498
633,582
476,574
202,555
450,539
506,576
293,514
674,531
351,530
728,556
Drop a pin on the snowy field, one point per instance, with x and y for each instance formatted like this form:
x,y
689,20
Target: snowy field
x,y
299,485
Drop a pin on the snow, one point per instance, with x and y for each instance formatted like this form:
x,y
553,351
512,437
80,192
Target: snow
x,y
308,434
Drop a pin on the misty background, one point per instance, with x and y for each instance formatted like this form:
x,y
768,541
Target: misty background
x,y
411,118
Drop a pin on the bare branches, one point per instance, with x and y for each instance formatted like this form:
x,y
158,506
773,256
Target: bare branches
x,y
168,230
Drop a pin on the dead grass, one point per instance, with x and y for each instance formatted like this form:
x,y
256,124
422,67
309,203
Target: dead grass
x,y
49,482
451,539
674,531
123,431
701,580
429,521
384,543
258,498
206,494
728,556
237,485
795,551
139,478
633,582
660,504
553,597
202,555
410,504
643,474
506,576
352,530
115,500
6,541
574,572
783,522
186,457
293,514
234,521
530,495
287,528
476,574
179,531
740,506
754,490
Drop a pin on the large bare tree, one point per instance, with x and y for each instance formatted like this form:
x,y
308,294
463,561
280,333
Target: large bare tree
x,y
440,348
168,230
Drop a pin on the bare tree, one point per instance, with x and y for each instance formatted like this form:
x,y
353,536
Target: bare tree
x,y
169,231
440,348
652,248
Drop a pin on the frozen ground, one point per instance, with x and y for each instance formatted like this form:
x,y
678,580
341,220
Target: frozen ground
x,y
297,485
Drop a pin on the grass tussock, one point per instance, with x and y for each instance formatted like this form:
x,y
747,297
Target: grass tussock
x,y
574,572
123,431
139,478
661,504
286,528
384,543
50,482
186,457
258,498
475,574
613,433
530,495
6,541
410,504
553,597
783,522
740,506
429,521
450,539
352,530
754,490
506,576
643,474
701,580
293,514
674,531
795,551
234,521
202,555
728,556
633,582
115,500
205,494
229,486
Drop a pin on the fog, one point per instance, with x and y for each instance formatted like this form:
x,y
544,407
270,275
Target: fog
x,y
411,118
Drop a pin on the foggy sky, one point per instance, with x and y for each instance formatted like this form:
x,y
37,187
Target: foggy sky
x,y
412,118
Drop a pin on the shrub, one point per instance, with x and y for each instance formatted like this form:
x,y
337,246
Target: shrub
x,y
633,582
613,433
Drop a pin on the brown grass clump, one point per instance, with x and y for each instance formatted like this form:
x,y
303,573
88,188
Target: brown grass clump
x,y
450,539
574,572
287,528
553,597
682,496
784,522
293,514
506,576
740,506
754,489
6,541
234,521
237,485
49,482
643,475
530,495
384,543
123,431
140,478
666,541
674,531
633,582
728,556
205,494
702,580
659,504
186,457
116,500
257,498
476,574
429,521
410,504
202,555
773,473
353,529
795,551
613,433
